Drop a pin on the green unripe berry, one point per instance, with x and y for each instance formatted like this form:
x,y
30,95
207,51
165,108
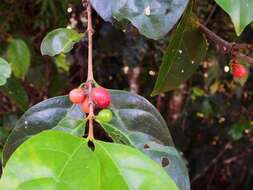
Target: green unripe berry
x,y
104,116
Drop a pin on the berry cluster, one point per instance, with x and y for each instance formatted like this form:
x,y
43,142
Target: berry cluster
x,y
101,99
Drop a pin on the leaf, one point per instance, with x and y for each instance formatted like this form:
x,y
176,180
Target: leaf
x,y
45,115
18,55
126,108
16,92
126,168
62,62
170,159
136,122
240,12
237,130
134,113
56,160
52,160
5,71
117,135
153,18
73,126
184,53
59,41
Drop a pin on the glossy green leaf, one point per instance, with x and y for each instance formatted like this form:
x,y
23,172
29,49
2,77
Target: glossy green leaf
x,y
240,12
167,157
45,115
117,135
16,92
134,113
59,41
57,160
184,53
153,18
5,71
135,122
174,164
52,160
126,107
126,168
18,55
73,126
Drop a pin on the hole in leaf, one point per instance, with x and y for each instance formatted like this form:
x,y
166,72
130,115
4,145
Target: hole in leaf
x,y
146,146
167,11
99,132
165,162
91,145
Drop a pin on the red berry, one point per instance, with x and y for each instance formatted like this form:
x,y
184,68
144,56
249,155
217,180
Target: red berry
x,y
101,97
76,95
238,70
85,105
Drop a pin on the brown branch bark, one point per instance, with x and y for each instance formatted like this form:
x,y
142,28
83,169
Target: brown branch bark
x,y
229,48
90,78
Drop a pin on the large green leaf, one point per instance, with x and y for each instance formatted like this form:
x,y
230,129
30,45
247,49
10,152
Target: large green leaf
x,y
126,168
153,18
166,156
133,113
45,115
240,12
136,122
18,54
16,92
127,107
56,160
52,161
59,41
184,53
5,71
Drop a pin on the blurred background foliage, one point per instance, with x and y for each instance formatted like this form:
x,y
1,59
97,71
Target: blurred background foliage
x,y
210,116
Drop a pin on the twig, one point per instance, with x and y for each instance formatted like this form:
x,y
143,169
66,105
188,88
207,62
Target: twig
x,y
229,48
213,162
90,32
211,14
90,77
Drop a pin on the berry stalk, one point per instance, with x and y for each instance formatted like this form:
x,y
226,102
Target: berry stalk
x,y
90,77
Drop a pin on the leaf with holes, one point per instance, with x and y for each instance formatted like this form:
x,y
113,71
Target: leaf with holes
x,y
18,55
59,41
240,12
16,92
123,167
52,160
168,157
5,71
47,161
153,18
184,53
126,107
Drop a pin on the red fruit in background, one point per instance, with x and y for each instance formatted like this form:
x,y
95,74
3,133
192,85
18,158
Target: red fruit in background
x,y
101,97
239,70
85,105
76,95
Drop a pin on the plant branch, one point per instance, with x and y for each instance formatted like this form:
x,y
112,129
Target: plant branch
x,y
229,48
90,78
90,32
